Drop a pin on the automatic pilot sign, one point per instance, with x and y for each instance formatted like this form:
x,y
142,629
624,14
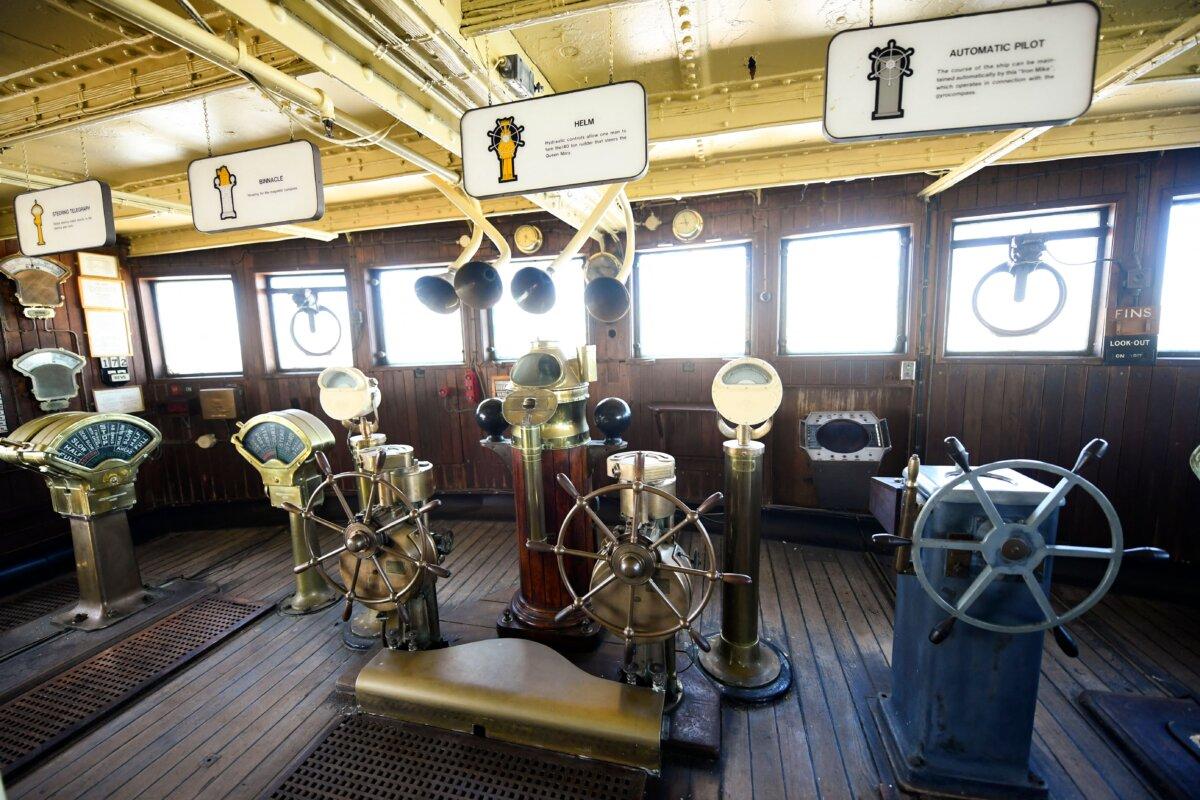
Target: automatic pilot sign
x,y
890,65
506,140
223,182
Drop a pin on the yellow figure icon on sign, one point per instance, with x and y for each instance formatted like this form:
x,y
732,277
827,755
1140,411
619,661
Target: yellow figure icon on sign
x,y
36,212
506,139
224,183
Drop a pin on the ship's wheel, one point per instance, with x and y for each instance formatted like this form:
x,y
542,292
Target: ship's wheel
x,y
385,552
642,583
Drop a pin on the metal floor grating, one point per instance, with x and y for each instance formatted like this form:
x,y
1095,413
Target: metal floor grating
x,y
44,716
35,603
365,757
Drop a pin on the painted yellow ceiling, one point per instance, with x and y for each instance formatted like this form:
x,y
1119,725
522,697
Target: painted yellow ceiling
x,y
66,66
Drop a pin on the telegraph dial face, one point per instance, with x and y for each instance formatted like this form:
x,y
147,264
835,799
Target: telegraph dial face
x,y
39,283
274,441
104,440
747,391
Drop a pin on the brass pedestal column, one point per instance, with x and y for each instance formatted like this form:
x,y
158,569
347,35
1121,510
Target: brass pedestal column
x,y
743,665
312,592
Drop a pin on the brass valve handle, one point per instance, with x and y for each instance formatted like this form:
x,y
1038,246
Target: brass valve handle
x,y
366,537
620,552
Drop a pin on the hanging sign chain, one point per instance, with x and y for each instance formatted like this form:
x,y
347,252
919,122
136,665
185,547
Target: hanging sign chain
x,y
87,172
25,162
611,16
207,132
870,13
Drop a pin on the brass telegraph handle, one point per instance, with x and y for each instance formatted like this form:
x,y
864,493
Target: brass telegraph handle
x,y
610,551
364,537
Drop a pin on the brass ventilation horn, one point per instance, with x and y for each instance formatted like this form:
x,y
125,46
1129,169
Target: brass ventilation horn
x,y
436,292
475,283
605,295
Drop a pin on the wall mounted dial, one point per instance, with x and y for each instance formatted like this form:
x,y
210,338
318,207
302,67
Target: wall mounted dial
x,y
528,239
39,283
687,225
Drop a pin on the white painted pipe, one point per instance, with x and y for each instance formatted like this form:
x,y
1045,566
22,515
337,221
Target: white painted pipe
x,y
233,57
630,228
588,226
470,250
474,212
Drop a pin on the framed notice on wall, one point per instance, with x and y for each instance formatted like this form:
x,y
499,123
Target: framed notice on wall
x,y
126,400
99,265
107,332
580,138
1018,68
101,293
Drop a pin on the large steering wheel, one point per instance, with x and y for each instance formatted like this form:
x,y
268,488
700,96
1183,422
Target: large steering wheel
x,y
368,535
634,559
1018,547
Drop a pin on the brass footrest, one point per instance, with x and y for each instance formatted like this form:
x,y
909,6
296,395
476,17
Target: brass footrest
x,y
517,691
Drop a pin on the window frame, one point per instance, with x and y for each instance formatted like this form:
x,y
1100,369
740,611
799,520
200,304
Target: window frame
x,y
379,322
747,246
1191,196
904,313
488,328
269,332
153,333
1107,231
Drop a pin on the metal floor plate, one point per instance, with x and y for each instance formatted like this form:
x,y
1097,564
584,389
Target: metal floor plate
x,y
38,602
40,718
366,757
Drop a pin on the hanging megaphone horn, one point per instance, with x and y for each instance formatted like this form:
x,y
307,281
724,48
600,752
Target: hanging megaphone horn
x,y
436,292
605,295
476,283
533,288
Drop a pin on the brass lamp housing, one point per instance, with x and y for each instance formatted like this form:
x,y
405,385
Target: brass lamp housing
x,y
547,367
77,490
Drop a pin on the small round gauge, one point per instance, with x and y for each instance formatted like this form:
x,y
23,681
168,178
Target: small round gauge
x,y
528,239
747,391
746,374
687,225
104,440
272,440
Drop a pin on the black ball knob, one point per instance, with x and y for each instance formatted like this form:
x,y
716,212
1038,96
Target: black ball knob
x,y
490,416
613,418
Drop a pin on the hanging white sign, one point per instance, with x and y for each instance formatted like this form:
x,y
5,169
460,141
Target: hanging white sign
x,y
68,217
580,138
1024,67
257,188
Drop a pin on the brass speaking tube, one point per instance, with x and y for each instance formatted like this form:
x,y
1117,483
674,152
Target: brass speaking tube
x,y
908,515
477,283
527,439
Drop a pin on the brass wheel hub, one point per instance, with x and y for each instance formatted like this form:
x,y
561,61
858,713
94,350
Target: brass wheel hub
x,y
632,563
360,540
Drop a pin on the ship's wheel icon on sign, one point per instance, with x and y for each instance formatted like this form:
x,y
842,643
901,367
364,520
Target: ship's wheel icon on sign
x,y
890,65
506,138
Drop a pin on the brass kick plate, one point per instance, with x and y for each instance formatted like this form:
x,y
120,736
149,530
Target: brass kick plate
x,y
516,691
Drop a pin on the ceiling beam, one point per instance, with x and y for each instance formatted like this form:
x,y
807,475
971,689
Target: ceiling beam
x,y
480,17
1177,41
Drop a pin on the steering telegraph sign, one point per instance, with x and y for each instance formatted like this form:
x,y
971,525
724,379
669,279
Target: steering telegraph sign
x,y
74,216
1025,67
257,188
580,138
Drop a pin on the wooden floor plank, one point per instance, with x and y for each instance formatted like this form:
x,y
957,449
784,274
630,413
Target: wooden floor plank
x,y
231,722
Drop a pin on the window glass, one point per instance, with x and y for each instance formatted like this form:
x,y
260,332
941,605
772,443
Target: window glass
x,y
410,332
198,325
310,320
1179,322
514,329
692,302
1075,253
845,292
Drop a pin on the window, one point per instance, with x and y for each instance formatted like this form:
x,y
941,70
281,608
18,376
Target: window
x,y
845,292
410,332
1076,243
692,302
566,323
1179,324
310,320
197,325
